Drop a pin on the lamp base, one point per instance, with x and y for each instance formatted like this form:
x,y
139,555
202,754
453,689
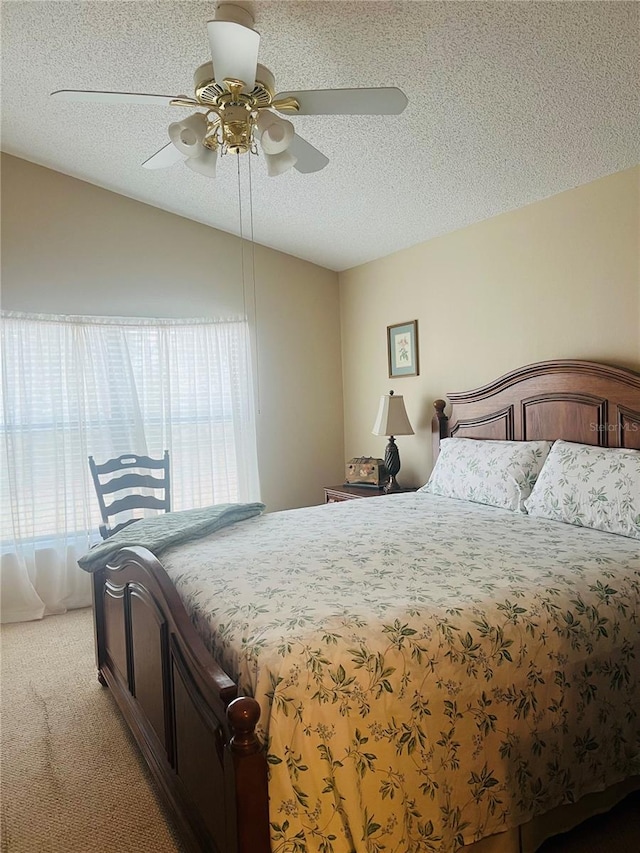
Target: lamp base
x,y
392,464
391,486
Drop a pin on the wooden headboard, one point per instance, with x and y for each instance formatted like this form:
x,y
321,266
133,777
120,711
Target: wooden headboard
x,y
579,401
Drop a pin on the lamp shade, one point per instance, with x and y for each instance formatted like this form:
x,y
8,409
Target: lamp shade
x,y
187,135
392,416
205,163
277,164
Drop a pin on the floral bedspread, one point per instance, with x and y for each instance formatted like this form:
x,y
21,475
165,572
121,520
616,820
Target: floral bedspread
x,y
430,671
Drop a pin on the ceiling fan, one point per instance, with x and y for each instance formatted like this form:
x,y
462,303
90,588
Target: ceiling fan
x,y
237,106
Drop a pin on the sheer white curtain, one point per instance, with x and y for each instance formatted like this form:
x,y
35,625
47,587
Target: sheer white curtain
x,y
78,386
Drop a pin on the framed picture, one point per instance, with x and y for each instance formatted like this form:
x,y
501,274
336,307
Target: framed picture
x,y
402,349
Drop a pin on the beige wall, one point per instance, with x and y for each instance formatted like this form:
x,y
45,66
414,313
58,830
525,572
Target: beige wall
x,y
69,247
557,279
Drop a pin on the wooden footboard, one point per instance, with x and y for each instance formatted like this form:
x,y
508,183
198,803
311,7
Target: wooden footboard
x,y
196,735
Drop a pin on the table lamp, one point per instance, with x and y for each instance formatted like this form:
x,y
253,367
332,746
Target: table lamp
x,y
392,420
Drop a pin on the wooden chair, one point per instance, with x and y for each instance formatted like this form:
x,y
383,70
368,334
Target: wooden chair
x,y
127,481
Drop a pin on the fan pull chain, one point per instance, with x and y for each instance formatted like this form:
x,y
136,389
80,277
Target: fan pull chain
x,y
254,333
244,293
255,301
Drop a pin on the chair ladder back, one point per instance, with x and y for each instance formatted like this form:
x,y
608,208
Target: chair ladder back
x,y
127,481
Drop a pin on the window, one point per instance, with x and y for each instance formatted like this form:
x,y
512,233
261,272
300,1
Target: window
x,y
74,387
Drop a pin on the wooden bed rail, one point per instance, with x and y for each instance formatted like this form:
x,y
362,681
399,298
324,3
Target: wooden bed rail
x,y
196,734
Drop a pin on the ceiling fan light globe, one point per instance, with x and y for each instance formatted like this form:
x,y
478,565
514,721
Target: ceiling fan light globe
x,y
278,164
265,119
204,163
274,133
277,137
187,135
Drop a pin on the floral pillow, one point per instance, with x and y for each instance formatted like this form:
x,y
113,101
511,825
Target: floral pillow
x,y
499,473
589,486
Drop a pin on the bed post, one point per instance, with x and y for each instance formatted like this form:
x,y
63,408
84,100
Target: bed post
x,y
97,583
439,427
250,774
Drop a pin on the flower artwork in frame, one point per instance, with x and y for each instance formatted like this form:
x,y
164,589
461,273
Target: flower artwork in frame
x,y
402,349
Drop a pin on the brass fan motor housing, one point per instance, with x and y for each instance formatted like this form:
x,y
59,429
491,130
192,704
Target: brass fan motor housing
x,y
208,93
231,113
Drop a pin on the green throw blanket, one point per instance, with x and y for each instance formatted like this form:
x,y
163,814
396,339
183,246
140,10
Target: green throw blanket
x,y
162,531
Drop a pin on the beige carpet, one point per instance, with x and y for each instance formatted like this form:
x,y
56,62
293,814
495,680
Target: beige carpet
x,y
68,760
67,757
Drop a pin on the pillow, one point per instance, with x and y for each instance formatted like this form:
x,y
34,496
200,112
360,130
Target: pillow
x,y
596,487
498,473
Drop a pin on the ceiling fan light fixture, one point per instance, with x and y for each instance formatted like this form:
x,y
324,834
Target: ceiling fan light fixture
x,y
239,98
278,164
204,163
187,135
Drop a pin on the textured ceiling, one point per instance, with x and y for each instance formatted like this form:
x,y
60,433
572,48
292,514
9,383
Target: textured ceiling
x,y
508,103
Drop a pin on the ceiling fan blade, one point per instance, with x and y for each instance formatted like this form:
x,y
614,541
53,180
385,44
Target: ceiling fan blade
x,y
309,159
166,156
111,97
234,51
325,102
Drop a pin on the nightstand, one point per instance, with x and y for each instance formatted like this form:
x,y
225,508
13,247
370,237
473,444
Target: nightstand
x,y
335,494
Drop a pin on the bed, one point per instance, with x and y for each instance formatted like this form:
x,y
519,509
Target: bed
x,y
358,737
